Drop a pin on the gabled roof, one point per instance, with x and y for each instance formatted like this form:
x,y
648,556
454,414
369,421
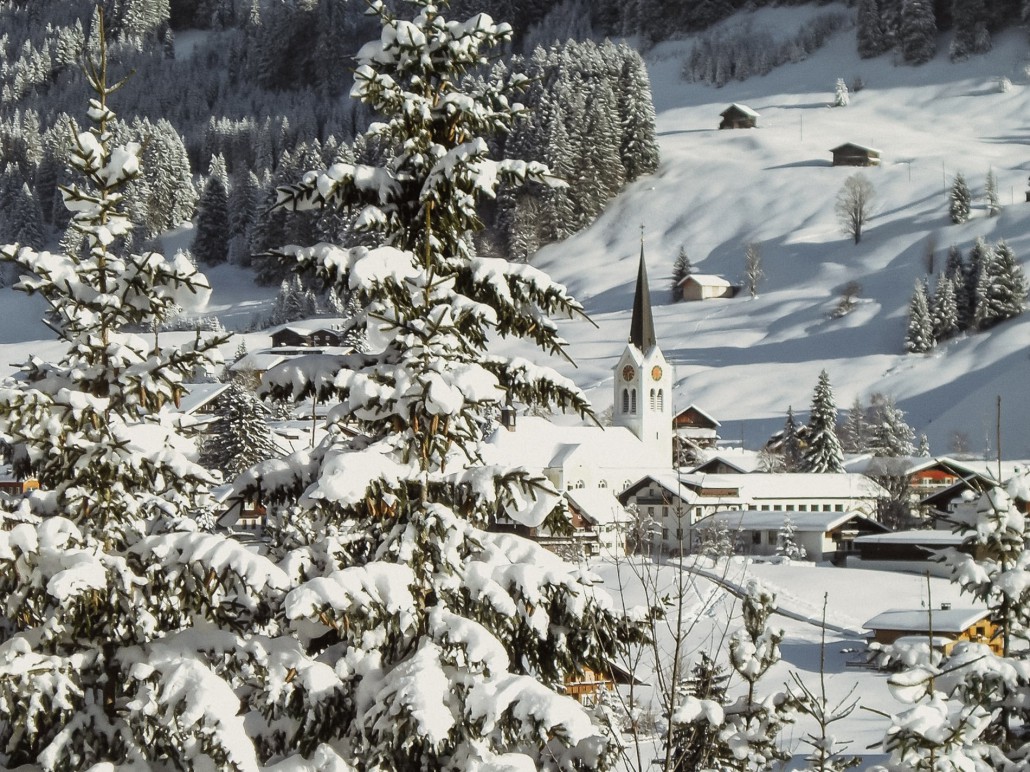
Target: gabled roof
x,y
736,106
696,409
667,482
762,520
854,146
920,620
641,328
598,505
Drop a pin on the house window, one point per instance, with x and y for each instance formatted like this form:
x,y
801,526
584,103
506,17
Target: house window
x,y
652,400
838,508
777,507
661,399
790,507
625,400
633,401
765,508
773,536
827,508
802,507
665,533
578,484
756,537
679,534
602,484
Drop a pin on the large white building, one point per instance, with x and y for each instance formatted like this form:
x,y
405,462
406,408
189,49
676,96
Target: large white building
x,y
676,502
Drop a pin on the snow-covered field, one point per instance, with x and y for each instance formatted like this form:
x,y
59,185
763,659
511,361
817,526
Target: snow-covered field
x,y
853,596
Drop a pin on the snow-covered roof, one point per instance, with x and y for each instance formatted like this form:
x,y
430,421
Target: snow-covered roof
x,y
598,505
744,461
707,280
742,108
537,443
856,146
308,326
909,465
936,539
199,395
792,485
260,361
954,620
761,520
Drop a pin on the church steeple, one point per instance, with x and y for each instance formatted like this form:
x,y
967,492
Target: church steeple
x,y
643,379
641,328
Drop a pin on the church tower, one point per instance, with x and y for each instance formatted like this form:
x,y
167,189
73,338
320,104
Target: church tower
x,y
643,378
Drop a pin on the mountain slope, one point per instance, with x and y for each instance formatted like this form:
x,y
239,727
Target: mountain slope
x,y
746,360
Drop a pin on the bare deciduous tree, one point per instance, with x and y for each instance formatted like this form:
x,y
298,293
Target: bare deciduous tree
x,y
854,205
753,273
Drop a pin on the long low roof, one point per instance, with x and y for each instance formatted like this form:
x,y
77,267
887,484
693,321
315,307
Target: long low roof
x,y
927,538
942,620
761,520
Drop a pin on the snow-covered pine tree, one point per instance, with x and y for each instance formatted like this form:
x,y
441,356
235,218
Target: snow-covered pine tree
x,y
1002,290
954,265
919,336
639,148
944,309
959,199
890,434
923,451
992,566
854,432
787,541
918,31
753,273
967,289
239,436
451,642
991,194
753,722
121,624
681,269
841,97
697,719
823,453
211,243
968,18
871,38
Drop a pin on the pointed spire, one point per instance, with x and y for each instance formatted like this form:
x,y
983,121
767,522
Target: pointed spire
x,y
641,329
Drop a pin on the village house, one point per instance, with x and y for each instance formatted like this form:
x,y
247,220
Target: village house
x,y
910,551
677,502
945,627
705,286
823,535
852,154
738,116
302,337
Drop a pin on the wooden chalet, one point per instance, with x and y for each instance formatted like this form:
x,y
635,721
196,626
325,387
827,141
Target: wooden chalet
x,y
303,338
851,154
704,286
586,686
12,486
694,424
738,116
945,627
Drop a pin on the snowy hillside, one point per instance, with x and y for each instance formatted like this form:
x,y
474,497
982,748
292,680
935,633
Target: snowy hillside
x,y
745,361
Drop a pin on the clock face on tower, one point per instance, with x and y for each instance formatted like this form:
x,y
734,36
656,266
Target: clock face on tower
x,y
656,373
628,372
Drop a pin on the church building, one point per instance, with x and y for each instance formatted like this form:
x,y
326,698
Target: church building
x,y
639,442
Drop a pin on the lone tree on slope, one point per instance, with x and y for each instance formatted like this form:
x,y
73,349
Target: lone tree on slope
x,y
855,205
959,200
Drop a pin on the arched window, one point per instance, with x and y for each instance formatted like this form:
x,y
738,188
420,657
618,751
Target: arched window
x,y
602,484
661,399
652,400
633,401
625,400
578,484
